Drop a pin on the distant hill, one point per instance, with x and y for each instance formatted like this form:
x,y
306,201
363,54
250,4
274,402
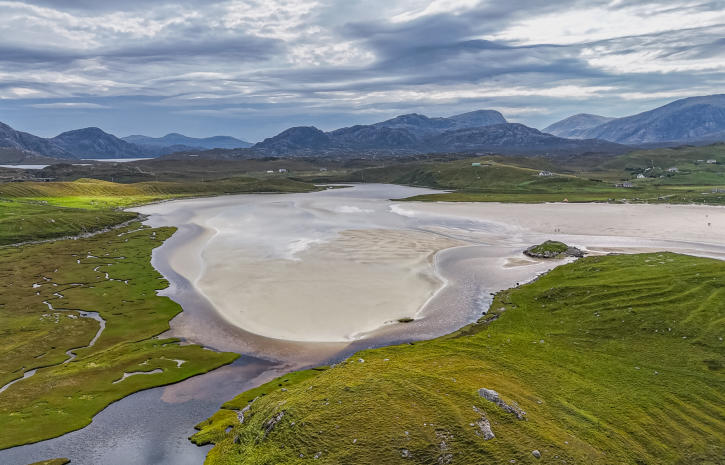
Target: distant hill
x,y
185,142
421,126
10,155
95,143
690,120
10,138
574,127
516,139
414,134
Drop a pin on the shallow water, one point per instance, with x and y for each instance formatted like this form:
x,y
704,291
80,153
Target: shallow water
x,y
117,160
152,427
25,167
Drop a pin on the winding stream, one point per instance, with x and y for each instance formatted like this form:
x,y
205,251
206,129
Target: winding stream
x,y
70,352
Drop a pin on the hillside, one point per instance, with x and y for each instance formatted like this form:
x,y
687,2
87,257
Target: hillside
x,y
95,143
574,127
10,138
587,367
515,139
684,121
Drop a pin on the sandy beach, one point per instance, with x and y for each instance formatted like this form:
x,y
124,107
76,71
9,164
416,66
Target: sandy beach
x,y
330,270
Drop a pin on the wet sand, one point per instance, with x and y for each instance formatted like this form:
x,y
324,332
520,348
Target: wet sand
x,y
306,275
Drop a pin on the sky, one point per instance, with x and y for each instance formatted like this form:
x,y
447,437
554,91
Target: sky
x,y
251,68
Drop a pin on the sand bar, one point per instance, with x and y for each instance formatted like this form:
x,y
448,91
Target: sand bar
x,y
339,268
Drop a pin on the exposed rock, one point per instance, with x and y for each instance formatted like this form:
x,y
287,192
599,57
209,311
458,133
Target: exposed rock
x,y
488,394
492,396
536,453
270,424
484,426
240,414
405,453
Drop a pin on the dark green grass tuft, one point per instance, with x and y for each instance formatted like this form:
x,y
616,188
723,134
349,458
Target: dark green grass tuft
x,y
52,462
550,247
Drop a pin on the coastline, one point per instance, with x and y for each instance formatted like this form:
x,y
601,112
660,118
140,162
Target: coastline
x,y
498,238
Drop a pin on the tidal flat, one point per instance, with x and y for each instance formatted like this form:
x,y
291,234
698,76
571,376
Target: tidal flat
x,y
331,247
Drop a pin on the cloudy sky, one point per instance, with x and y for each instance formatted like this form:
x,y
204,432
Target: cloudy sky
x,y
250,68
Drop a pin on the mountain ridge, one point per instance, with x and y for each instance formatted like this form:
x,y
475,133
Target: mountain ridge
x,y
175,139
414,133
93,142
575,126
689,120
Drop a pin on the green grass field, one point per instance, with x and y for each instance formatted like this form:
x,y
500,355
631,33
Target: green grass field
x,y
31,211
111,274
614,360
583,178
22,221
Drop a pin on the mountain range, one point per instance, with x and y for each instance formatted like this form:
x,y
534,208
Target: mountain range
x,y
175,140
691,121
93,143
685,121
420,135
483,130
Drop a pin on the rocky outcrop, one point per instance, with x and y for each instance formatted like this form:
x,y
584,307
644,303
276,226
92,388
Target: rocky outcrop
x,y
553,249
484,426
272,422
492,396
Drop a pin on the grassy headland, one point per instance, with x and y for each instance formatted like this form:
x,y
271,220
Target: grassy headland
x,y
42,210
46,292
614,359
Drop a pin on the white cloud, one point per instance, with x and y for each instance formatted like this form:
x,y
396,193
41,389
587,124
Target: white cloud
x,y
580,25
70,105
434,7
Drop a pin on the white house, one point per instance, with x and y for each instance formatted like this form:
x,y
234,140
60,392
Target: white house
x,y
712,162
282,170
546,173
640,176
673,169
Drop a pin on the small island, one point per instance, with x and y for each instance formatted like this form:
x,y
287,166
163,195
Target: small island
x,y
553,249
